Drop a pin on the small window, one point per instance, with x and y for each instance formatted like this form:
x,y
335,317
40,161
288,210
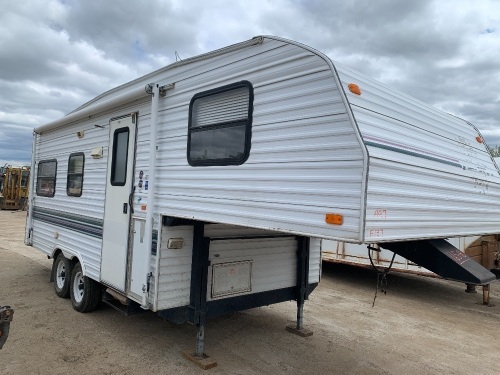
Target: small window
x,y
74,184
46,178
220,124
120,156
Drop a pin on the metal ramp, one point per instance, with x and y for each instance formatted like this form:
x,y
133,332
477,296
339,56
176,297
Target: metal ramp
x,y
442,258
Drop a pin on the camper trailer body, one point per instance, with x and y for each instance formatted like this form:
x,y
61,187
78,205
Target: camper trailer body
x,y
248,156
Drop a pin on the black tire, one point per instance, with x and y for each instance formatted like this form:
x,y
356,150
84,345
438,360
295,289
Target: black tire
x,y
61,273
85,292
4,333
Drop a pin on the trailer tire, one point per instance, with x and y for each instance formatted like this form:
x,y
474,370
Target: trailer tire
x,y
85,292
62,275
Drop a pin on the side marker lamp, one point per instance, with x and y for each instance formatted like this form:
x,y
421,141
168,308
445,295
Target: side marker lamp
x,y
354,88
335,219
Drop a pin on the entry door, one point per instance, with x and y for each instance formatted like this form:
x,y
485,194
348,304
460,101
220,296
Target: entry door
x,y
119,187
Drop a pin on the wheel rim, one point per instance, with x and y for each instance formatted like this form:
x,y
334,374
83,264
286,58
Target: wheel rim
x,y
78,287
60,275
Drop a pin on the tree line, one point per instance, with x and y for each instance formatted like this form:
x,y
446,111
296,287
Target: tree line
x,y
494,151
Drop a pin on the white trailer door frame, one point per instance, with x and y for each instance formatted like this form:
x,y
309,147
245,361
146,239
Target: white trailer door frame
x,y
117,210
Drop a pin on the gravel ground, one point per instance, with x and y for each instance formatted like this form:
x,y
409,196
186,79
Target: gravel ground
x,y
421,326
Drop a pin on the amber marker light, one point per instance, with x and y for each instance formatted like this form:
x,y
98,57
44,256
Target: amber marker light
x,y
335,219
479,139
354,88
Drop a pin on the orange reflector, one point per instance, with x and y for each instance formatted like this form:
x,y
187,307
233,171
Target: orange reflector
x,y
354,88
479,139
335,219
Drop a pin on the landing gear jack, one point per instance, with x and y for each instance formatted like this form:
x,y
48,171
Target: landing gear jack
x,y
486,296
471,288
298,328
199,296
198,307
302,282
199,357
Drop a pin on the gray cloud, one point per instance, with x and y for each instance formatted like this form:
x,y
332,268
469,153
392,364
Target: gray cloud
x,y
56,55
15,143
125,31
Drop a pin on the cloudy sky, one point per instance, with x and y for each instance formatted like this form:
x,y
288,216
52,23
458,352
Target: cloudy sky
x,y
57,54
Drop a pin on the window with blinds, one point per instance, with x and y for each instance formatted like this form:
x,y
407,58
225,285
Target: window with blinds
x,y
220,122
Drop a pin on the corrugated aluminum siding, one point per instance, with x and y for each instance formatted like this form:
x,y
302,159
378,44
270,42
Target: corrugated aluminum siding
x,y
274,261
428,175
59,144
305,158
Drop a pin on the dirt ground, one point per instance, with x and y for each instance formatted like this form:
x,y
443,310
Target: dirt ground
x,y
422,326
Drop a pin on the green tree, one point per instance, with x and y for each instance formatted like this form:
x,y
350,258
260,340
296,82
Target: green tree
x,y
494,151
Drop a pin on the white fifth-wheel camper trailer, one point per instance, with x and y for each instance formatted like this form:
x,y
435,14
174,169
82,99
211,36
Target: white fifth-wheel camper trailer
x,y
205,187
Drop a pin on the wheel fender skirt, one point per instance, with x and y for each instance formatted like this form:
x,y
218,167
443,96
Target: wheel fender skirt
x,y
442,258
6,314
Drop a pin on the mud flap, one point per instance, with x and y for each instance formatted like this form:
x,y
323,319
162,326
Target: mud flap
x,y
442,258
6,314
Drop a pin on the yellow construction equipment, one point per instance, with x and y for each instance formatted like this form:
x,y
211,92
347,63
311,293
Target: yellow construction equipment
x,y
14,185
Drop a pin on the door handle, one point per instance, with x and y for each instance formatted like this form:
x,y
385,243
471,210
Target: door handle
x,y
131,201
125,208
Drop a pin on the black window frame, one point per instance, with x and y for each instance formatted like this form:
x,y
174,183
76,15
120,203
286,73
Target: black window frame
x,y
112,181
75,174
247,122
54,179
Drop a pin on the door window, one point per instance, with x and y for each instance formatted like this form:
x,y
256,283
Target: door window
x,y
120,156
